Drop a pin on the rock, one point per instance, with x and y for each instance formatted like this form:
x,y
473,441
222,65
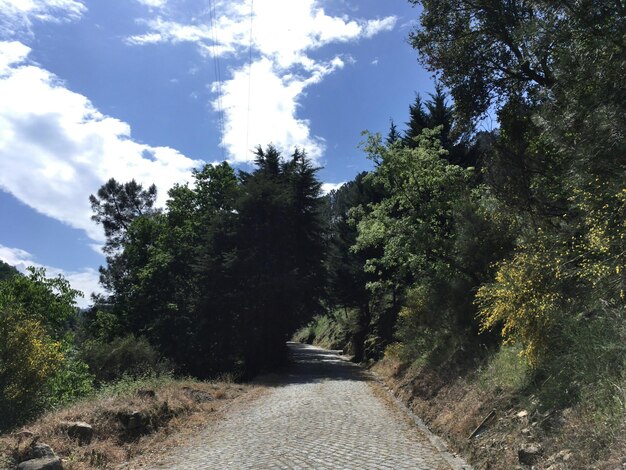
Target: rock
x,y
39,451
522,414
78,430
50,463
560,457
135,423
526,431
528,453
137,420
146,393
198,395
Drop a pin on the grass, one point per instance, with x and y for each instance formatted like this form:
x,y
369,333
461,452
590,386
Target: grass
x,y
172,412
332,330
452,400
506,370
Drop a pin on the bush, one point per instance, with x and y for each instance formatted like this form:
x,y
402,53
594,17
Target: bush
x,y
525,301
332,330
507,369
29,357
72,380
127,355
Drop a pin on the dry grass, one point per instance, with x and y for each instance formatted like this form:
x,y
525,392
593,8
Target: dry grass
x,y
453,405
174,412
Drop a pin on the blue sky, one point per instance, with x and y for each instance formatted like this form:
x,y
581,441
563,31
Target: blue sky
x,y
129,89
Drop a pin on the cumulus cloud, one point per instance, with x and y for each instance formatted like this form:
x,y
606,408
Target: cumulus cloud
x,y
328,187
153,3
85,280
261,102
18,15
272,105
56,148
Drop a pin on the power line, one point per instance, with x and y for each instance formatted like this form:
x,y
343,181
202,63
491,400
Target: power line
x,y
218,74
249,76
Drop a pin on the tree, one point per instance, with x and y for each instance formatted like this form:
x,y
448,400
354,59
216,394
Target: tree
x,y
347,283
6,270
117,205
418,121
49,301
393,136
490,48
280,255
35,312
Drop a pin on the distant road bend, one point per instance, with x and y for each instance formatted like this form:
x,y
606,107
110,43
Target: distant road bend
x,y
322,412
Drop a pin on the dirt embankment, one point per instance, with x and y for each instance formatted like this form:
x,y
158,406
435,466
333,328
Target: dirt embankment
x,y
131,426
498,429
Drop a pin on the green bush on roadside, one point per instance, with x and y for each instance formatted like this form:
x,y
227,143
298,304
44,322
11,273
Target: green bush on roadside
x,y
123,356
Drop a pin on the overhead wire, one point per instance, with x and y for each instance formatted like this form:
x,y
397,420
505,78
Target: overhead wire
x,y
218,74
249,76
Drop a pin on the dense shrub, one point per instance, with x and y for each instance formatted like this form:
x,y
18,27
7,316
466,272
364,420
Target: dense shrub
x,y
29,357
127,355
72,380
333,330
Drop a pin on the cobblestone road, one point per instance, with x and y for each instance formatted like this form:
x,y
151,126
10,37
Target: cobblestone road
x,y
322,413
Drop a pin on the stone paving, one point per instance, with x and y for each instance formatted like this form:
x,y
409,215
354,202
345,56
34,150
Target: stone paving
x,y
321,413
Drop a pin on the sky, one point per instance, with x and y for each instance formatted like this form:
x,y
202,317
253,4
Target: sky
x,y
150,89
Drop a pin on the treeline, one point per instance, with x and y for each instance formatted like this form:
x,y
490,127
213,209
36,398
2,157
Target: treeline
x,y
213,284
39,363
460,240
219,280
463,239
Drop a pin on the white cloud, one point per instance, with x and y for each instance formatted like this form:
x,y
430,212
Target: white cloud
x,y
282,68
272,106
18,15
56,148
373,27
85,280
328,187
153,3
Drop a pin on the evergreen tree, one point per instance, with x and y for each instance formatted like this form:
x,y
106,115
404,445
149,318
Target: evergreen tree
x,y
418,120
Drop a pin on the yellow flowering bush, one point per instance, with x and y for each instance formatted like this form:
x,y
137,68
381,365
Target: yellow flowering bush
x,y
28,358
523,301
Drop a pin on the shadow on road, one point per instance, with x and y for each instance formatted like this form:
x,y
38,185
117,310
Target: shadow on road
x,y
310,364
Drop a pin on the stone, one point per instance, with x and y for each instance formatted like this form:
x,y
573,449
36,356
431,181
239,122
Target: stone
x,y
198,395
78,430
49,463
564,455
137,420
135,423
39,451
146,393
522,414
526,431
528,453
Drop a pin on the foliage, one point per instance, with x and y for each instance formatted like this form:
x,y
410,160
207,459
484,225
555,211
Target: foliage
x,y
550,71
525,299
115,207
506,369
332,330
38,367
6,270
229,269
49,301
74,378
29,357
490,48
123,356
